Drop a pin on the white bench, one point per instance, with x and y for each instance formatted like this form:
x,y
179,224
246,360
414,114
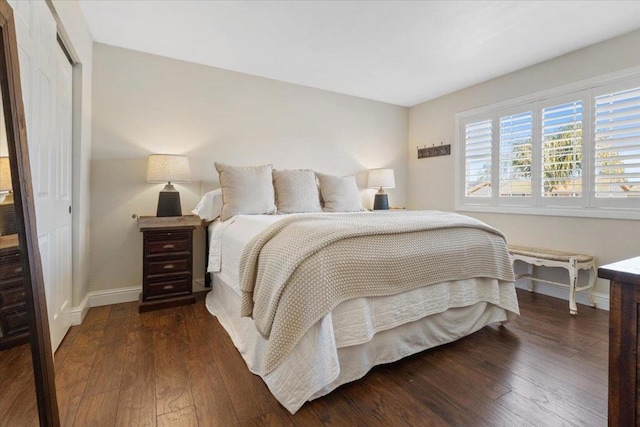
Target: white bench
x,y
572,262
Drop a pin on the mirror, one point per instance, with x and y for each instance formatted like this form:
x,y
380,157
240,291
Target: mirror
x,y
18,394
27,385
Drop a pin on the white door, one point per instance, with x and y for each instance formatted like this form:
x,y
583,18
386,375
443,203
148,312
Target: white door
x,y
59,288
46,76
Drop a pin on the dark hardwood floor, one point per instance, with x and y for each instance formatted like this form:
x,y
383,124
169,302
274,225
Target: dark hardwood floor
x,y
178,367
18,405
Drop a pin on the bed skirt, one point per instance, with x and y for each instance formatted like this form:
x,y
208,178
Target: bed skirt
x,y
320,362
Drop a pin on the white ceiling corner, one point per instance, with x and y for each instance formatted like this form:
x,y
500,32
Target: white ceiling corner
x,y
399,52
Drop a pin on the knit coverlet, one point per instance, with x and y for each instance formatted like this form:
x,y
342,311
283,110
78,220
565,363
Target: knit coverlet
x,y
300,268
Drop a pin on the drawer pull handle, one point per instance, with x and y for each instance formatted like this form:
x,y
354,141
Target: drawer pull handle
x,y
169,266
168,246
18,270
167,287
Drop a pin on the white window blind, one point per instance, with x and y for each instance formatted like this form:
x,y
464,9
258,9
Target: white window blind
x,y
477,150
617,144
515,155
568,151
562,150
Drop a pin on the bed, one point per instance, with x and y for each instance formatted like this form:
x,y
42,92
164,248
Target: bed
x,y
357,332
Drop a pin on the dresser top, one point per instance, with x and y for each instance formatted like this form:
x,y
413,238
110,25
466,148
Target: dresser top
x,y
627,271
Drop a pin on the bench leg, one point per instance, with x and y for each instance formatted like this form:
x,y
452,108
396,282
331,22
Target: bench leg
x,y
592,282
573,278
532,283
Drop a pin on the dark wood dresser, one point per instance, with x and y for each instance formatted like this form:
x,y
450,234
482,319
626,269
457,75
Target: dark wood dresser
x,y
14,325
167,269
624,345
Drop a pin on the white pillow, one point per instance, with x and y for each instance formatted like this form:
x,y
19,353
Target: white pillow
x,y
246,190
296,191
210,206
340,194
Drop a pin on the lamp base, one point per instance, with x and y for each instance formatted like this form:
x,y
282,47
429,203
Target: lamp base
x,y
381,202
169,202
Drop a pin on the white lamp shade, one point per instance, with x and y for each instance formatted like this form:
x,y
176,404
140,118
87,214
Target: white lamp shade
x,y
168,168
5,175
384,178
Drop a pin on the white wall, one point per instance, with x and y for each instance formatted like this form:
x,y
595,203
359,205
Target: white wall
x,y
145,104
74,32
431,180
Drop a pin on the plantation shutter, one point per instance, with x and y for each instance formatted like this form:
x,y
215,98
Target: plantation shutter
x,y
477,151
561,170
617,144
515,155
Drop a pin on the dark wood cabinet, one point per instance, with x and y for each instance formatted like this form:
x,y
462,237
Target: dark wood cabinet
x,y
14,322
167,261
624,345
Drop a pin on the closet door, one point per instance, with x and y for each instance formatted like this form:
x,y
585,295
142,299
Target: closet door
x,y
46,83
60,291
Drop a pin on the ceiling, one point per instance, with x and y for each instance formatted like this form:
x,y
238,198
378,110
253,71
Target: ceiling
x,y
402,53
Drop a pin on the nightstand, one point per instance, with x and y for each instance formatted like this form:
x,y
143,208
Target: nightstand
x,y
167,261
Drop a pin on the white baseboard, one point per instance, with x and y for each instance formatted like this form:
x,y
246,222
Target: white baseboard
x,y
76,314
114,296
131,293
100,298
562,292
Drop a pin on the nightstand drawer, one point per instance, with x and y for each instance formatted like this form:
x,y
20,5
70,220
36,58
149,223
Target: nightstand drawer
x,y
14,322
168,287
171,266
12,295
10,267
166,246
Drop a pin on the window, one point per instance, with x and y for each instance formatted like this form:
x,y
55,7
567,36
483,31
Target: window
x,y
617,144
478,159
564,152
515,155
561,165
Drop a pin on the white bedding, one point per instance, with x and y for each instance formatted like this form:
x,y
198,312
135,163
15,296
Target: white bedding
x,y
359,333
227,240
233,235
345,344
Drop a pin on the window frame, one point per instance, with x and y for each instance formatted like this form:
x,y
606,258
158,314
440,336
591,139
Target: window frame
x,y
587,205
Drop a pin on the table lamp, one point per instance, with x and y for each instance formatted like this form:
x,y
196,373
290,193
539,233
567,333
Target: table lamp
x,y
168,168
381,178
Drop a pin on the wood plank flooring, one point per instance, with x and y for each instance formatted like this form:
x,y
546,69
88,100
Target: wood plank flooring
x,y
18,405
177,367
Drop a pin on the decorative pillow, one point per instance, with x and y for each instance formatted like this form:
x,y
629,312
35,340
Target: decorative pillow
x,y
296,191
246,190
210,206
340,194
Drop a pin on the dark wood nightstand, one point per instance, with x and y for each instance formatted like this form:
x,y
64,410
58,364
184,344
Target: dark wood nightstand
x,y
14,325
167,272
